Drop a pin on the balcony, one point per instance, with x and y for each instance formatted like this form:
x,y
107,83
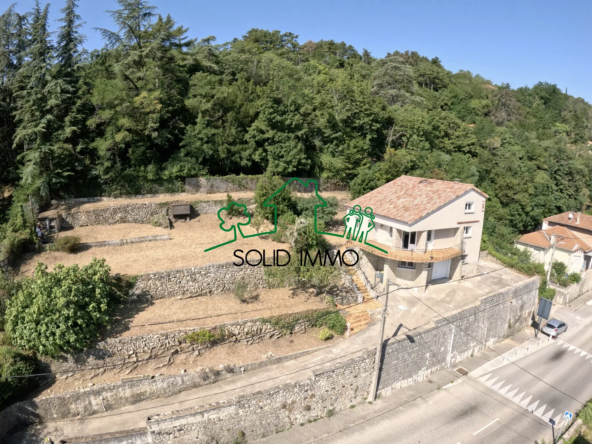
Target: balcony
x,y
416,255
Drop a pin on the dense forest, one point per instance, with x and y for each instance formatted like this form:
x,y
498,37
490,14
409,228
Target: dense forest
x,y
156,105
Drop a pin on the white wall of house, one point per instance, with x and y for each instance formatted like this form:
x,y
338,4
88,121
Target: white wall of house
x,y
574,260
448,222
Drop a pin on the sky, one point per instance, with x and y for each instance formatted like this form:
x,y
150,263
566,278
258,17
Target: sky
x,y
520,42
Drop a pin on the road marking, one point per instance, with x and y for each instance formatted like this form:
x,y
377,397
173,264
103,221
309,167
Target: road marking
x,y
480,430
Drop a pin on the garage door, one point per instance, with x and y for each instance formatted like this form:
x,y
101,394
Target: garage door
x,y
441,269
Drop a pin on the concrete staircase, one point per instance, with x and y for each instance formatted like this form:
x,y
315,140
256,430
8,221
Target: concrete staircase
x,y
357,314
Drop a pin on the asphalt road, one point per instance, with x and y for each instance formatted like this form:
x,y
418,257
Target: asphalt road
x,y
474,410
555,379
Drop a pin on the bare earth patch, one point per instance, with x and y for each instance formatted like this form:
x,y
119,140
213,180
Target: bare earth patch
x,y
205,311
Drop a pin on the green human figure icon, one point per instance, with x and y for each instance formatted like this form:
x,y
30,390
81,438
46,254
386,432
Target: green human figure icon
x,y
352,222
366,225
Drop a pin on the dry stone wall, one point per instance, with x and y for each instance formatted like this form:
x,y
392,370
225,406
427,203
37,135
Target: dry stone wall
x,y
107,397
270,411
133,213
211,185
127,350
196,281
221,278
407,361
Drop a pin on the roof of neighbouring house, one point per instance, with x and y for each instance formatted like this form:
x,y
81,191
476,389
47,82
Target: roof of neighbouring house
x,y
566,239
408,199
585,222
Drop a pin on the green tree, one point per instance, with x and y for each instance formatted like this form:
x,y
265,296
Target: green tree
x,y
284,202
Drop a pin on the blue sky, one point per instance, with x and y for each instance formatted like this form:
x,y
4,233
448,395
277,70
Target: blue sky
x,y
520,42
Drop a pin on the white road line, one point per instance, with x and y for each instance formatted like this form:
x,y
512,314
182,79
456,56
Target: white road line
x,y
480,430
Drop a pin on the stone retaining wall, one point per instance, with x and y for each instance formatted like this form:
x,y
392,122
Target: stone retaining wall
x,y
106,397
196,281
136,213
458,336
337,386
120,242
127,350
270,411
5,263
212,185
407,361
220,278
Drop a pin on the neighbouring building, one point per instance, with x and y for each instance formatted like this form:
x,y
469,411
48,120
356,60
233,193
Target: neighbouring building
x,y
570,248
431,229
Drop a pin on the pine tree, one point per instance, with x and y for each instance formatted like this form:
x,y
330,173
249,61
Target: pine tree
x,y
12,48
33,134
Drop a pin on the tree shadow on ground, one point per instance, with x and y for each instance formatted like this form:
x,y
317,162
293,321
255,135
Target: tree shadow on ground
x,y
123,316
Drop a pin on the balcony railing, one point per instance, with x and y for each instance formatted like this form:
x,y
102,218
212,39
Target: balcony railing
x,y
416,255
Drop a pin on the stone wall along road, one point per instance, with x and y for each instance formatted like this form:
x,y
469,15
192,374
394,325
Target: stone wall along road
x,y
406,361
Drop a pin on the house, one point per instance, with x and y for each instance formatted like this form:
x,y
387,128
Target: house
x,y
570,248
430,229
577,234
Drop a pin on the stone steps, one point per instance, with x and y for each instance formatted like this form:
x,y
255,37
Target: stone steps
x,y
357,314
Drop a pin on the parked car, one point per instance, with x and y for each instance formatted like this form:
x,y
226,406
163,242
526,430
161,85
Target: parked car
x,y
554,328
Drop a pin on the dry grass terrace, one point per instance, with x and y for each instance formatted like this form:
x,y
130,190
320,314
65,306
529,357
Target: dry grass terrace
x,y
185,249
207,311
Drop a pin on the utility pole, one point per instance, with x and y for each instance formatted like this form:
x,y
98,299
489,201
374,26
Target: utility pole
x,y
374,386
553,242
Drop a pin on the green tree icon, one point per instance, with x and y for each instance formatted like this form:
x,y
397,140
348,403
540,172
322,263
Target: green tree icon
x,y
228,226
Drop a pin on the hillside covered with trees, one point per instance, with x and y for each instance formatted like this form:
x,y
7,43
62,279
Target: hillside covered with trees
x,y
156,105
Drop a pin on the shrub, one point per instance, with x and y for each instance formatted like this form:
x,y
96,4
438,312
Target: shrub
x,y
15,363
304,237
160,220
67,244
232,210
336,323
559,268
266,187
205,337
285,221
305,207
586,414
330,301
62,311
329,413
574,278
325,334
240,291
257,222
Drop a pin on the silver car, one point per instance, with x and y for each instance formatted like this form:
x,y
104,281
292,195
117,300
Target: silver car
x,y
554,327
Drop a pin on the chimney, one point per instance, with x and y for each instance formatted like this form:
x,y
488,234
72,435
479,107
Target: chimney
x,y
578,219
570,217
457,181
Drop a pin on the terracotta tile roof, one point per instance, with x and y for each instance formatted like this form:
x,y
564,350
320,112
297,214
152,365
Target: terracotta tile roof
x,y
408,199
566,239
563,219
